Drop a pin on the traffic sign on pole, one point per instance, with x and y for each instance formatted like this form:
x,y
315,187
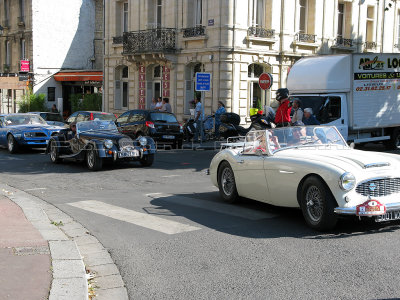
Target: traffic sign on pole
x,y
265,81
203,82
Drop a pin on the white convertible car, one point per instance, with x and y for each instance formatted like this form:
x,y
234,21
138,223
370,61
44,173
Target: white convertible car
x,y
313,168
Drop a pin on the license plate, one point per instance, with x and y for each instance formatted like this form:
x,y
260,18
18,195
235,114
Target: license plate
x,y
168,137
389,216
133,153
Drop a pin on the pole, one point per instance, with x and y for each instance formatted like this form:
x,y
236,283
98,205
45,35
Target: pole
x,y
201,117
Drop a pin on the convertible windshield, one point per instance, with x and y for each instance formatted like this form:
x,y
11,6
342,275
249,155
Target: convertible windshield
x,y
23,119
292,137
96,126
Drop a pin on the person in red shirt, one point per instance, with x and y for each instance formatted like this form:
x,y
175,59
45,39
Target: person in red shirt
x,y
282,115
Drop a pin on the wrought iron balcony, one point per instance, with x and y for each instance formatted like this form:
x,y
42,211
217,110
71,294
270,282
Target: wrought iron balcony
x,y
256,31
305,38
150,41
339,41
194,31
370,45
118,40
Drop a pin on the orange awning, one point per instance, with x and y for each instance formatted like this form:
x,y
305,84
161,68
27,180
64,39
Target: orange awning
x,y
79,76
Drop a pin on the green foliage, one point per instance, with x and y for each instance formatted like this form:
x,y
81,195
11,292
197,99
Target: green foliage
x,y
33,102
86,102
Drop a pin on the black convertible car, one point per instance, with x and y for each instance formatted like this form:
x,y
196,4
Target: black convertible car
x,y
96,141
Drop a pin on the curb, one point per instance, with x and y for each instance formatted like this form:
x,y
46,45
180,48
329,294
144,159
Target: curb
x,y
82,267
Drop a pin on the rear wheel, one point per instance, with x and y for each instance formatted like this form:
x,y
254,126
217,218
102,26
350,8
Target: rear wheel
x,y
93,162
54,154
226,183
147,160
317,204
12,145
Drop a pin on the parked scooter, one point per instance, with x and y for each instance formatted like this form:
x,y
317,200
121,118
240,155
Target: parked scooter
x,y
230,124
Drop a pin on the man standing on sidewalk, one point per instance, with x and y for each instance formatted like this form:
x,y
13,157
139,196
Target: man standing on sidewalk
x,y
198,118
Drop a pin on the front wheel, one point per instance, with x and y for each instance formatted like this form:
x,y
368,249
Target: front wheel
x,y
227,184
54,154
93,162
317,205
12,145
147,160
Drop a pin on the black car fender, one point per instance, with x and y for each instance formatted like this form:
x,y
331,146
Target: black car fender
x,y
150,146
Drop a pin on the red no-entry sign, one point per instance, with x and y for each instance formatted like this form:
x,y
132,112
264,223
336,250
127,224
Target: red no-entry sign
x,y
265,81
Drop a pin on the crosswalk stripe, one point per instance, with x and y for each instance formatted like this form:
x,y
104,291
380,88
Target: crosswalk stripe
x,y
133,217
227,209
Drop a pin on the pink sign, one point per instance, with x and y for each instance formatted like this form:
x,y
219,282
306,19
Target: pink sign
x,y
142,87
25,66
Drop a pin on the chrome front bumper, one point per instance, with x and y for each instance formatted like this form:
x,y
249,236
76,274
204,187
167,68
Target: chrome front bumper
x,y
352,210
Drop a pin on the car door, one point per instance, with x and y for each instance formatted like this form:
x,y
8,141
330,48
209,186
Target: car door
x,y
250,176
135,124
3,131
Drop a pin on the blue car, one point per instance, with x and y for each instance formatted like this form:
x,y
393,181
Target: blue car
x,y
25,130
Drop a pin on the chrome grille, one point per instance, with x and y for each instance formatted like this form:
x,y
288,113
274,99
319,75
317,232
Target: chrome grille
x,y
124,142
379,187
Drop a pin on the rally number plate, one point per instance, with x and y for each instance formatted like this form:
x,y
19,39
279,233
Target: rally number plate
x,y
133,153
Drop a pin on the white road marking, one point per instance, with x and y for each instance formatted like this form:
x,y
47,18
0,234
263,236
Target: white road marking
x,y
227,209
133,217
169,176
35,189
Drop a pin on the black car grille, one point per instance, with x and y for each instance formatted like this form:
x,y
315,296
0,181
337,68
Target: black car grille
x,y
379,187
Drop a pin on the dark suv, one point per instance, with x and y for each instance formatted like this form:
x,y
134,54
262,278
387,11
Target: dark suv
x,y
163,127
80,116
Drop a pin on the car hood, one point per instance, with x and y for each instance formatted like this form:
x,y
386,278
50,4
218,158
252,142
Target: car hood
x,y
346,159
103,135
36,127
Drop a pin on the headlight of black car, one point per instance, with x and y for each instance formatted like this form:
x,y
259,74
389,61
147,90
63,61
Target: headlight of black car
x,y
108,144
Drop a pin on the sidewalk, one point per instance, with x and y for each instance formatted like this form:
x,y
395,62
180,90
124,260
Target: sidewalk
x,y
45,254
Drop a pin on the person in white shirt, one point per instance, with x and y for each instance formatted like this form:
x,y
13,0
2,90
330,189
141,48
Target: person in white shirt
x,y
159,104
297,118
198,118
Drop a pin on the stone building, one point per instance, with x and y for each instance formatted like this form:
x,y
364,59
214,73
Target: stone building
x,y
154,47
41,38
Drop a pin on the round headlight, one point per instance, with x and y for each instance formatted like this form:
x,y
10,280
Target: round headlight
x,y
108,144
347,181
143,141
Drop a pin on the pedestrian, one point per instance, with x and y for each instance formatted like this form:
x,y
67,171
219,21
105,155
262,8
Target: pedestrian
x,y
282,116
158,104
309,118
297,118
198,119
153,104
166,106
54,109
221,110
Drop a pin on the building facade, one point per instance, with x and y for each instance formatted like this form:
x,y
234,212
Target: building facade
x,y
154,47
48,37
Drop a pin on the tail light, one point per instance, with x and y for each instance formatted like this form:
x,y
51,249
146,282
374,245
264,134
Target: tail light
x,y
150,124
115,116
181,126
91,117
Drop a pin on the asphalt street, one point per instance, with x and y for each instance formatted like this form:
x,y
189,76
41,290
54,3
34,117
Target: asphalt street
x,y
172,237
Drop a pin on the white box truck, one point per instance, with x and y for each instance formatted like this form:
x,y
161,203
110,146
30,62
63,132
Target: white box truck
x,y
358,93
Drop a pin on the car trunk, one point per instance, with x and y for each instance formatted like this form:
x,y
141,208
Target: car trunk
x,y
165,123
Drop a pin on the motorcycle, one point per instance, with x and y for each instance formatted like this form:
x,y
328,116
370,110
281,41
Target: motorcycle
x,y
230,124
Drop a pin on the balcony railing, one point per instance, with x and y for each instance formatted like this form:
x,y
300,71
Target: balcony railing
x,y
305,38
152,40
194,31
339,41
370,45
256,31
118,40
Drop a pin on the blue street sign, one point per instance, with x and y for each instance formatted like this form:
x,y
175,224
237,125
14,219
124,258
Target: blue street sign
x,y
203,82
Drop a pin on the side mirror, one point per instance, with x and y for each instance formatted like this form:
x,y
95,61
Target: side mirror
x,y
352,145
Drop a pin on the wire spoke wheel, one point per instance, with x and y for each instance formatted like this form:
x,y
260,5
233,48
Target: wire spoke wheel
x,y
228,181
53,151
315,203
91,158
